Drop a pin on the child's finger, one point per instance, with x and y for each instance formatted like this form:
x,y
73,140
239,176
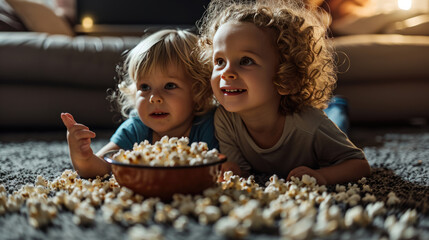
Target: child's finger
x,y
86,146
70,117
68,120
84,133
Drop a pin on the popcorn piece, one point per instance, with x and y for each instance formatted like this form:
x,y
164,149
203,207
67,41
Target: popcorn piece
x,y
112,211
326,224
183,203
325,200
409,217
400,230
39,213
300,230
210,214
226,204
125,194
230,227
180,223
161,213
366,188
59,198
14,203
227,175
340,197
374,209
353,200
389,222
139,232
277,186
308,180
249,214
334,213
3,200
84,214
340,188
356,215
369,198
392,199
363,180
321,189
41,181
71,202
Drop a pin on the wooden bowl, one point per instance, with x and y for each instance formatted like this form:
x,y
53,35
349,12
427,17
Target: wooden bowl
x,y
164,182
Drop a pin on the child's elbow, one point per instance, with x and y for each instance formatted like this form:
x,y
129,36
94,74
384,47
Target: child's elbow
x,y
365,168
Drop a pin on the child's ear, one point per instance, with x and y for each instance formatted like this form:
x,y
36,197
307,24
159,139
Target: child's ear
x,y
283,91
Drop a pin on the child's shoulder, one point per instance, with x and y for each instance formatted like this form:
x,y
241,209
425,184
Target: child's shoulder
x,y
309,119
132,122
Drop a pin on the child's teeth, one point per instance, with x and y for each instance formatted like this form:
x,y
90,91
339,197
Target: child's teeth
x,y
234,90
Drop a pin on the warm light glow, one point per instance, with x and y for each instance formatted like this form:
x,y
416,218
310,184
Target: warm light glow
x,y
404,4
87,22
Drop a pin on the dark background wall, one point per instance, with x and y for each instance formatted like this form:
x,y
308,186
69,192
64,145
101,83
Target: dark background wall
x,y
163,12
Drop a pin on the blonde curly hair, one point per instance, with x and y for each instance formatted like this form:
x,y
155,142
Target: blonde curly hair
x,y
157,51
307,70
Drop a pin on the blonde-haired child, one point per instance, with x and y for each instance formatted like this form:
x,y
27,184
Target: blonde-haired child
x,y
167,88
273,73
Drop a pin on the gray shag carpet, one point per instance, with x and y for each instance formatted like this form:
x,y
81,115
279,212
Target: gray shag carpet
x,y
399,158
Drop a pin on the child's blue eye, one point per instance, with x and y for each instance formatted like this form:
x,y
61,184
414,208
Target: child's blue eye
x,y
145,87
170,86
219,62
246,61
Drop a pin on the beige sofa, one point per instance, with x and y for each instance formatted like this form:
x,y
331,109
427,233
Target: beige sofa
x,y
385,77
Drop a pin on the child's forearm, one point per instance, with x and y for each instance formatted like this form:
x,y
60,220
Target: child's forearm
x,y
347,171
91,167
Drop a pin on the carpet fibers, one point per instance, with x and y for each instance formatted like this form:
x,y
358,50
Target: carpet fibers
x,y
399,160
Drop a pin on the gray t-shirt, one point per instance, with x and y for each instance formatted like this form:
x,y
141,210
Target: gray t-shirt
x,y
309,139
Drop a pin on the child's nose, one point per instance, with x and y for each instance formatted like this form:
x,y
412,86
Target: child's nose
x,y
155,98
229,75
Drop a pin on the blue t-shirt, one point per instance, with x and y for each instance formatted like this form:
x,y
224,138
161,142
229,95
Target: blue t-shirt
x,y
134,131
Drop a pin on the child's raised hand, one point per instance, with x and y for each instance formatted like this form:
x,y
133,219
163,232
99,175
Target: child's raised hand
x,y
78,137
300,171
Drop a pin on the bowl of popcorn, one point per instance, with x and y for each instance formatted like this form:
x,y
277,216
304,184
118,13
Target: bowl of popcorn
x,y
167,167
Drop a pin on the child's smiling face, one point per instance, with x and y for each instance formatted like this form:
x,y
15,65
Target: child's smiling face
x,y
245,63
164,101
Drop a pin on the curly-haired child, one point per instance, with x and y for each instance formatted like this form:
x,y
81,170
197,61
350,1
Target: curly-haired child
x,y
165,88
273,73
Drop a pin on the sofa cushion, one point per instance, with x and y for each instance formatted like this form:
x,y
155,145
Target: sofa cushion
x,y
373,24
9,20
382,58
40,18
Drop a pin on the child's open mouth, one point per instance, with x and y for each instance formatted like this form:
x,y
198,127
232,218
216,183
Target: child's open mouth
x,y
159,114
233,91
